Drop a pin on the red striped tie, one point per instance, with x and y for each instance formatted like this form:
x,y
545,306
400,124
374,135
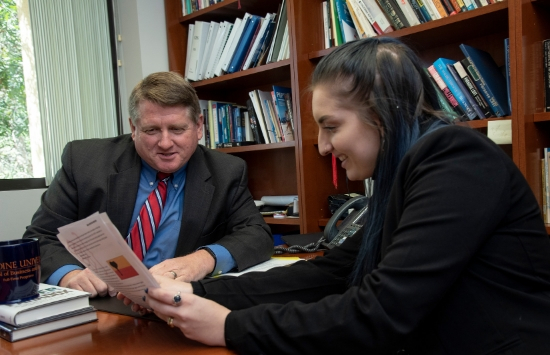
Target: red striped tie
x,y
142,233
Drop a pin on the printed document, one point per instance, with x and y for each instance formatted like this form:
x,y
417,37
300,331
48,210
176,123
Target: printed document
x,y
97,244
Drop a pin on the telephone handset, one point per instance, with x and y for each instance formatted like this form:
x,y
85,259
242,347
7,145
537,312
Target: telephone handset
x,y
335,235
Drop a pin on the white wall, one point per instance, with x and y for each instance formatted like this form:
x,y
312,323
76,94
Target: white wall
x,y
143,50
16,210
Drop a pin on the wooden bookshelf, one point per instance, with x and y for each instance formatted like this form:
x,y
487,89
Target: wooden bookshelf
x,y
297,167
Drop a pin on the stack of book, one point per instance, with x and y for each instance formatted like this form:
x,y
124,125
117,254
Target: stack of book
x,y
246,43
190,6
346,20
266,118
55,308
474,87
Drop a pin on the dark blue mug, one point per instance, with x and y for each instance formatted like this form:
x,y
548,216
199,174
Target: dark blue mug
x,y
19,270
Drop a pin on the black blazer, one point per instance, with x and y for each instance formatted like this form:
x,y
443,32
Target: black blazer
x,y
103,175
465,269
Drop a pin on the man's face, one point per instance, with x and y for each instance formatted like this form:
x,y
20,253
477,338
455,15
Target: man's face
x,y
165,137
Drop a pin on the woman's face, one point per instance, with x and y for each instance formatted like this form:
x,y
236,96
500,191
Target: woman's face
x,y
343,133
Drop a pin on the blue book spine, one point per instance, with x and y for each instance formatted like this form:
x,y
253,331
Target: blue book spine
x,y
466,92
441,67
488,79
424,11
349,32
507,65
243,44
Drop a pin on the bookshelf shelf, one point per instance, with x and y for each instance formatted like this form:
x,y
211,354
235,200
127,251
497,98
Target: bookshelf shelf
x,y
229,8
283,221
482,123
541,117
258,147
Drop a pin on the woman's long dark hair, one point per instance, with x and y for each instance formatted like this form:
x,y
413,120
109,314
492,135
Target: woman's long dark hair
x,y
385,78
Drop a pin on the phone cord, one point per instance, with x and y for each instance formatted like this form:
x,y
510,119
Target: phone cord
x,y
309,248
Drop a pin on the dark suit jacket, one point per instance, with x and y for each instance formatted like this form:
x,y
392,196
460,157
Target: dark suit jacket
x,y
465,269
103,175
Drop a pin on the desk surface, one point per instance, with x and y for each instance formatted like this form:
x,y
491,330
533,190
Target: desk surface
x,y
115,334
112,334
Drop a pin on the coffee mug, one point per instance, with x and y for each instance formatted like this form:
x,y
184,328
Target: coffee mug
x,y
19,270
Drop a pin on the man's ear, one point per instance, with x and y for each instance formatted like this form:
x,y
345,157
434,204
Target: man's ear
x,y
132,127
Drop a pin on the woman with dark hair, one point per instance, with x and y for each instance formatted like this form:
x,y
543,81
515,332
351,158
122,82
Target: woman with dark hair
x,y
454,258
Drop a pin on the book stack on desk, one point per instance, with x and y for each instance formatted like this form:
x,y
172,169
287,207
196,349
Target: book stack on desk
x,y
55,308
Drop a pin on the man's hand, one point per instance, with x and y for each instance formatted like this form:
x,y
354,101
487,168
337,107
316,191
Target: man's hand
x,y
85,280
187,268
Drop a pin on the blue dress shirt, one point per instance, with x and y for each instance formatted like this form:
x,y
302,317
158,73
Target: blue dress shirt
x,y
166,237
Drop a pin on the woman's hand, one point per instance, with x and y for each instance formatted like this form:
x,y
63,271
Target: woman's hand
x,y
198,318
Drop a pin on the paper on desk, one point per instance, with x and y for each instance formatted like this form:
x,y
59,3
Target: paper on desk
x,y
266,265
97,244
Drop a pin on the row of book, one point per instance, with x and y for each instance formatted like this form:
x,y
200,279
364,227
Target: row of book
x,y
55,308
266,118
190,6
474,87
217,48
346,20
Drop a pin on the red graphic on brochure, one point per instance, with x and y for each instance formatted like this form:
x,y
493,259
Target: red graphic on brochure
x,y
122,267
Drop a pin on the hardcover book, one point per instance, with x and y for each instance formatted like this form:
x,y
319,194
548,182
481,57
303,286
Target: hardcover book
x,y
282,20
546,50
374,15
445,91
441,67
260,116
480,114
257,41
349,32
51,302
280,96
14,333
394,14
488,78
254,125
244,43
469,83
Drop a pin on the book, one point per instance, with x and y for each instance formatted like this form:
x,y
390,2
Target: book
x,y
374,15
469,83
445,91
190,31
205,140
217,48
197,48
254,125
257,40
488,78
244,43
349,32
546,71
394,14
265,43
51,301
280,96
408,11
335,22
441,67
507,69
546,158
326,24
444,103
208,48
219,68
227,56
14,333
465,91
275,46
417,11
440,8
259,115
273,126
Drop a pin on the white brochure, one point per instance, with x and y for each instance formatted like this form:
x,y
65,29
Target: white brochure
x,y
97,244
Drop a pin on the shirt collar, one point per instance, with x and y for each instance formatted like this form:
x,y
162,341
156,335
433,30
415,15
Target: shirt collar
x,y
151,175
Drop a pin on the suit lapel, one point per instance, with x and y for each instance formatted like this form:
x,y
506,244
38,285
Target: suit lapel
x,y
198,198
123,187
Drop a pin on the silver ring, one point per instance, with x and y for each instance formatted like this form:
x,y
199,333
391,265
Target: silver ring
x,y
170,322
174,273
177,299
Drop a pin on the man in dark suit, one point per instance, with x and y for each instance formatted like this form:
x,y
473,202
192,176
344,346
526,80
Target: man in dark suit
x,y
209,223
